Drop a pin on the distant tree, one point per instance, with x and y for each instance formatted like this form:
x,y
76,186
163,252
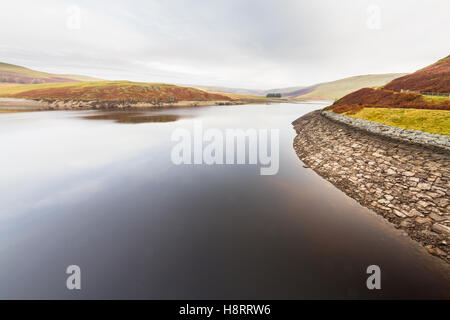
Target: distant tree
x,y
273,95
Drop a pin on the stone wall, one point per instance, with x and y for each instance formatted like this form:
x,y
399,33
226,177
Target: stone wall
x,y
415,136
406,183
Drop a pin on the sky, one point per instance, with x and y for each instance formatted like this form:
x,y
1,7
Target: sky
x,y
256,44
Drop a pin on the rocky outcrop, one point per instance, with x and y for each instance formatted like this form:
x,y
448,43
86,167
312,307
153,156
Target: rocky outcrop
x,y
406,183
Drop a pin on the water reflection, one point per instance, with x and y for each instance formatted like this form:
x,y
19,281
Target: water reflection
x,y
133,117
107,197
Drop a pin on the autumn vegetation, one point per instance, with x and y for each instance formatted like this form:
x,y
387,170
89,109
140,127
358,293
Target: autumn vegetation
x,y
110,91
404,92
417,101
382,98
10,73
434,78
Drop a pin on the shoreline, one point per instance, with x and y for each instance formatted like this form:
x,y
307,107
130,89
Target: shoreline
x,y
426,139
406,183
27,105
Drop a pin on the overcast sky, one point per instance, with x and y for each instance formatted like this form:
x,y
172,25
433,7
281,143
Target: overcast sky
x,y
237,43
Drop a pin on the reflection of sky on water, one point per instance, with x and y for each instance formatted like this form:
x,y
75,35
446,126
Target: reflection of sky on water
x,y
106,196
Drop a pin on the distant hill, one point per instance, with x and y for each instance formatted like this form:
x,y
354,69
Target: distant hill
x,y
299,91
322,91
243,91
434,78
336,89
10,73
110,90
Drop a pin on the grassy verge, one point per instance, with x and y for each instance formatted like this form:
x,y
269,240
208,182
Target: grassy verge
x,y
435,99
433,121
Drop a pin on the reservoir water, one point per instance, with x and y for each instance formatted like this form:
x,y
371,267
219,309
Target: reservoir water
x,y
100,191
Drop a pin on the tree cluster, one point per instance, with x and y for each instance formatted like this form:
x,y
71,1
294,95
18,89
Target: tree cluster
x,y
273,95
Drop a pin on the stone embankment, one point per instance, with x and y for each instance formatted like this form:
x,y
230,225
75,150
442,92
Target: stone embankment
x,y
406,183
416,136
123,105
51,104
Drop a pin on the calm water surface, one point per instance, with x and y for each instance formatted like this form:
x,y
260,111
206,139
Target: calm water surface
x,y
100,191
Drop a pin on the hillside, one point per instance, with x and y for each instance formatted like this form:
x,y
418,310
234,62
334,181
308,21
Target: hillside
x,y
382,98
434,78
10,73
336,89
323,91
110,91
243,91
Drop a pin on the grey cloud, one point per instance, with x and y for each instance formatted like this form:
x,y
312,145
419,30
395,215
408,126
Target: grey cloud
x,y
255,44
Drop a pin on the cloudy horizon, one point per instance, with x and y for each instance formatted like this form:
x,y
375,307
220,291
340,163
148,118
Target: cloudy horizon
x,y
248,44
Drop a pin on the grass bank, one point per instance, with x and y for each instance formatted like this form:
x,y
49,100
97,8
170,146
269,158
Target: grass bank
x,y
433,121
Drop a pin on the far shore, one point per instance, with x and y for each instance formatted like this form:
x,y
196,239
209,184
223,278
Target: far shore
x,y
28,105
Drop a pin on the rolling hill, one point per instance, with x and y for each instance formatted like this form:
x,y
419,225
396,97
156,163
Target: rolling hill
x,y
434,79
10,73
110,91
323,91
14,75
336,89
243,91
